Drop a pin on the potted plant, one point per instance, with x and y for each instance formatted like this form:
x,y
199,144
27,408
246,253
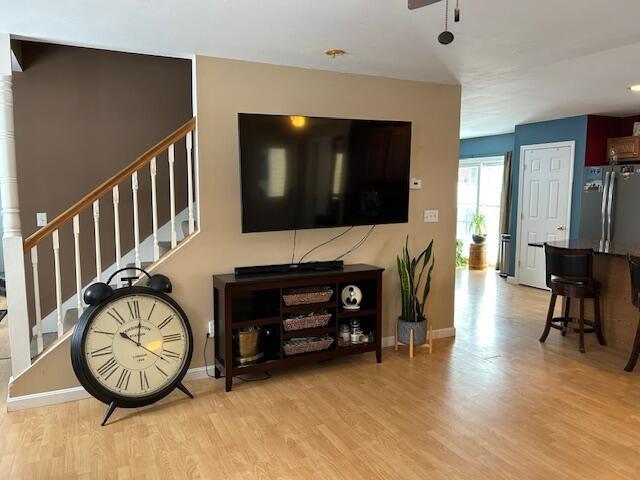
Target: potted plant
x,y
478,227
414,296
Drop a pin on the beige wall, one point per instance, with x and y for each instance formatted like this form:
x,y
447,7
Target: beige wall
x,y
226,87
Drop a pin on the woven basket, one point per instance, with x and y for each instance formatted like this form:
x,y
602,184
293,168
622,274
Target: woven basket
x,y
303,296
297,346
312,320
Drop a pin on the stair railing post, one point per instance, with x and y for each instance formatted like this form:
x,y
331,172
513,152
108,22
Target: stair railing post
x,y
153,169
96,235
189,142
172,196
16,283
136,222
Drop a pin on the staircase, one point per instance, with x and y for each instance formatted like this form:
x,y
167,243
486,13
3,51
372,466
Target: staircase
x,y
48,330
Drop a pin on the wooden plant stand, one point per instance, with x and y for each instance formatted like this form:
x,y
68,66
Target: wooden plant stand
x,y
477,256
428,345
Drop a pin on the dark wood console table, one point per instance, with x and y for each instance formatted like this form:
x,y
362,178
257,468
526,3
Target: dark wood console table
x,y
256,301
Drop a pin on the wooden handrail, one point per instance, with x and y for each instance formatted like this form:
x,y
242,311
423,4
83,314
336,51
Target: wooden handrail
x,y
108,185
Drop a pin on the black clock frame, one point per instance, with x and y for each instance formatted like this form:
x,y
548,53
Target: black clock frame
x,y
95,388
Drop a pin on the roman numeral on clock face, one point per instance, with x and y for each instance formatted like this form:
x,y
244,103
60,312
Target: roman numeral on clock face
x,y
174,337
123,380
107,368
113,313
108,350
162,371
170,354
144,382
134,309
165,322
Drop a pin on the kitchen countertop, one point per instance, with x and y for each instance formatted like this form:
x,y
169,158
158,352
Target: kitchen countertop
x,y
599,248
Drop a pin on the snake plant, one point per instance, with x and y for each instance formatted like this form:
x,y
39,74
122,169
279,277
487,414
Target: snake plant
x,y
411,271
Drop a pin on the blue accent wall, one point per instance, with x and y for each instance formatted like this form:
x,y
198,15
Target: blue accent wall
x,y
562,130
492,146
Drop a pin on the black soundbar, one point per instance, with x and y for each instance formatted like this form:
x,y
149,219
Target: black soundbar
x,y
291,268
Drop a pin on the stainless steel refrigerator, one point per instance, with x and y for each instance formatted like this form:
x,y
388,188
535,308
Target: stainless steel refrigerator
x,y
610,210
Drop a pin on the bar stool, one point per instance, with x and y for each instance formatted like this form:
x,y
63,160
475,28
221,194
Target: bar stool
x,y
634,270
570,275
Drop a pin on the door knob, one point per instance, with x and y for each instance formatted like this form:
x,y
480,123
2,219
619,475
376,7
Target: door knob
x,y
561,228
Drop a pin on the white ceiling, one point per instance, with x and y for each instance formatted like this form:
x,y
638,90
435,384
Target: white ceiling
x,y
517,60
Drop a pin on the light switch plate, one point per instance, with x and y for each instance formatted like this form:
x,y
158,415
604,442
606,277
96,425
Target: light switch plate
x,y
415,184
41,219
431,216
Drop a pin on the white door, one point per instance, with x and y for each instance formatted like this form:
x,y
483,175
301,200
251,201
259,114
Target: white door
x,y
546,173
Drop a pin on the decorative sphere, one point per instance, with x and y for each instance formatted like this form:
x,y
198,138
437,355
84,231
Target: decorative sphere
x,y
96,293
160,283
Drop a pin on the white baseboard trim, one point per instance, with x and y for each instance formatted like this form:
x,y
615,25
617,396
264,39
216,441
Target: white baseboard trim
x,y
44,399
55,397
512,280
439,333
64,395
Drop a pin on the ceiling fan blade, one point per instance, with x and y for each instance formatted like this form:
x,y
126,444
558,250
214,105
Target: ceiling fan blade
x,y
413,4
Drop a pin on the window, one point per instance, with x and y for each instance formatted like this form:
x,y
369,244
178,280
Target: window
x,y
480,190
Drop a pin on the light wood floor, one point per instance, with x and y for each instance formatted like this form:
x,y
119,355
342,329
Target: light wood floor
x,y
492,404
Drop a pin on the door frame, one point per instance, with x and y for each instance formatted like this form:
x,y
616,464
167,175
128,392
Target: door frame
x,y
572,147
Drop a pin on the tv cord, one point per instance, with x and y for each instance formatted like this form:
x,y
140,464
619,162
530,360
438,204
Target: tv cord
x,y
325,243
293,254
357,245
267,375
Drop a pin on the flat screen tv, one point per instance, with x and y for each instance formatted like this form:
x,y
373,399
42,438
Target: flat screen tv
x,y
311,172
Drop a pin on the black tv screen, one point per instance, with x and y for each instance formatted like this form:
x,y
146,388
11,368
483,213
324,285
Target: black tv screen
x,y
310,172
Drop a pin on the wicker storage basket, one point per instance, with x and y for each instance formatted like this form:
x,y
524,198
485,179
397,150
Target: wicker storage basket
x,y
296,346
303,296
310,320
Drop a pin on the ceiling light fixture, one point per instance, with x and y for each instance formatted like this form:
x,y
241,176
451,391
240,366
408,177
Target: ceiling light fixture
x,y
635,88
335,52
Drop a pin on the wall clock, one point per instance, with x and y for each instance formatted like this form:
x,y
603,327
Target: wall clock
x,y
133,345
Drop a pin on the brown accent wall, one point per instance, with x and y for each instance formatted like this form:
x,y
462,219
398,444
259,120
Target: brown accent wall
x,y
81,115
226,87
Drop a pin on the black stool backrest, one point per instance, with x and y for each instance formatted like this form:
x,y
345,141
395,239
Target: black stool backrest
x,y
569,263
634,270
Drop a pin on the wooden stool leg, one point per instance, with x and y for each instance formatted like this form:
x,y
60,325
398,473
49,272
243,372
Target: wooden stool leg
x,y
581,324
567,312
633,359
411,343
547,327
396,335
598,321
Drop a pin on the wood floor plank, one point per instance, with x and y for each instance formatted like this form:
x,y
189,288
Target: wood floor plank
x,y
492,404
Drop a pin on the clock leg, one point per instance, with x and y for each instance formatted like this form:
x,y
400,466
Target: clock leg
x,y
107,414
185,390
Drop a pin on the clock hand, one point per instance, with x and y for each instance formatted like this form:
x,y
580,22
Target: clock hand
x,y
124,335
139,326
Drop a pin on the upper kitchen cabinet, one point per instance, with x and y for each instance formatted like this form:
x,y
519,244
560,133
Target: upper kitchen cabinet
x,y
623,149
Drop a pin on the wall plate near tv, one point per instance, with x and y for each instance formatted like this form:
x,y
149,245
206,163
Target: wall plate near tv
x,y
310,172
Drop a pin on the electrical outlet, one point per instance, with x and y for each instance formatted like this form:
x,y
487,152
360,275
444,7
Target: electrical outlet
x,y
415,184
41,219
210,326
431,216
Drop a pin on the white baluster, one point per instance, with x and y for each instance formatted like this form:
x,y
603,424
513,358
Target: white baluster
x,y
36,298
172,195
116,223
96,235
76,243
154,209
136,229
56,263
190,182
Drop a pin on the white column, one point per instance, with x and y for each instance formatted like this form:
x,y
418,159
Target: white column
x,y
18,317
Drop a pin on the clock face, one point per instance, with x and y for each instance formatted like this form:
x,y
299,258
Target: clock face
x,y
136,345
